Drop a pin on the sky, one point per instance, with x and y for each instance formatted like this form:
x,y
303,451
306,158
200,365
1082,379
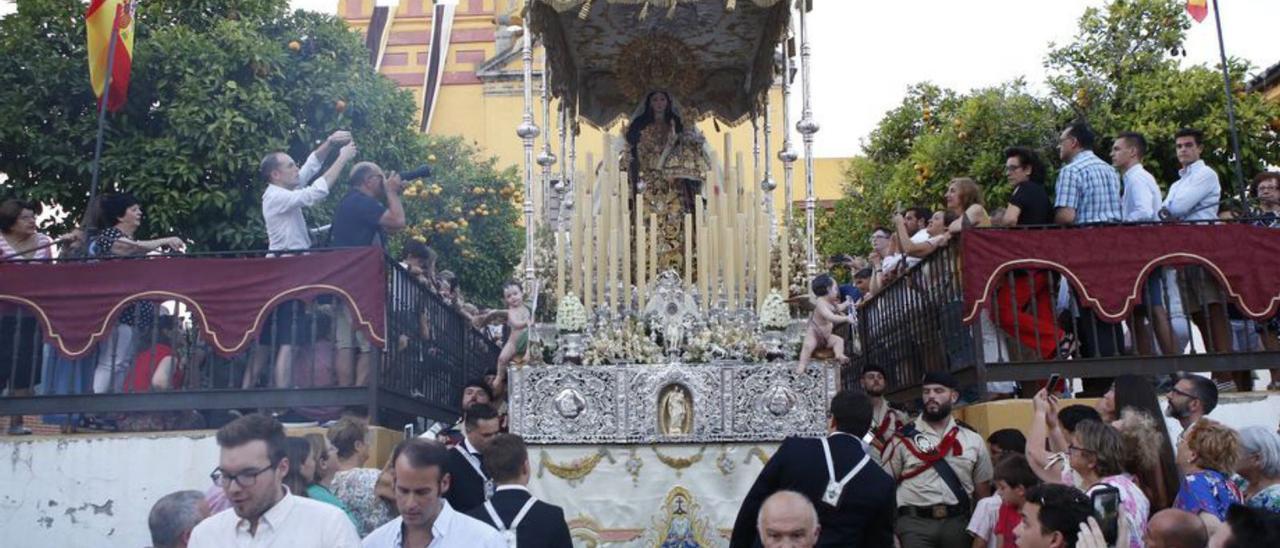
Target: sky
x,y
866,53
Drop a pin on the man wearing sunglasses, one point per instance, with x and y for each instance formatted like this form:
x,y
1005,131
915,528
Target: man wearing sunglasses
x,y
251,466
1191,398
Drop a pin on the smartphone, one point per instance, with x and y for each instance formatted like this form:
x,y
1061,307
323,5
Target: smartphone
x,y
1052,388
1106,509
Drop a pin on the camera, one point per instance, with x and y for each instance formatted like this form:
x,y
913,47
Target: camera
x,y
421,172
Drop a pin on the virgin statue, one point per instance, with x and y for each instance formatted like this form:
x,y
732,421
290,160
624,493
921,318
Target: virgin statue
x,y
667,164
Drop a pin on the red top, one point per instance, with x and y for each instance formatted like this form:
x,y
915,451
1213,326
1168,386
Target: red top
x,y
144,366
1006,521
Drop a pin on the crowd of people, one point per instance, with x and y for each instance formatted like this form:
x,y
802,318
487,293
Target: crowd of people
x,y
1108,475
153,347
1035,311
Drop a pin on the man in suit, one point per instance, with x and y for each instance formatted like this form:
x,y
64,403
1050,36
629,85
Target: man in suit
x,y
534,524
471,486
848,517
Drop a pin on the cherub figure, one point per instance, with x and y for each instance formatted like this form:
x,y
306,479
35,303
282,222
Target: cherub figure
x,y
517,317
827,312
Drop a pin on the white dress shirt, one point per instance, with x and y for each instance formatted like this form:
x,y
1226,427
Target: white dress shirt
x,y
293,522
450,530
1141,196
1195,196
282,208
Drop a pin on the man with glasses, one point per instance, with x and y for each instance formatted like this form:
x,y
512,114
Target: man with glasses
x,y
1087,192
1190,399
1266,187
251,466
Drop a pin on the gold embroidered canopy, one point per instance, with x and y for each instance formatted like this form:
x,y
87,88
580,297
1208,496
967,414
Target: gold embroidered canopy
x,y
715,56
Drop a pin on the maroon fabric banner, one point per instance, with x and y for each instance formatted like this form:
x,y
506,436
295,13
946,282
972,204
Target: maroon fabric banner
x,y
1108,265
77,303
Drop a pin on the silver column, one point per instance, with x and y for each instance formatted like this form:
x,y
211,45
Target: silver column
x,y
546,158
807,126
528,131
788,154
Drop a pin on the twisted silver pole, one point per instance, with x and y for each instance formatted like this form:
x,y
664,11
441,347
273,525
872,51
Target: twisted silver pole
x,y
528,131
768,185
563,187
788,154
807,127
546,158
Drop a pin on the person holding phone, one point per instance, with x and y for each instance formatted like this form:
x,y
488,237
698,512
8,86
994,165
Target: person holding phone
x,y
1096,454
1051,516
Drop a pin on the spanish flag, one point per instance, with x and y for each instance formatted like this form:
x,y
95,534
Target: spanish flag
x,y
102,17
1199,9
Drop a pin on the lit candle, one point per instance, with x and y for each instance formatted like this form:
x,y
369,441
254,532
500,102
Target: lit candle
x,y
730,268
575,239
559,265
642,282
614,302
762,265
688,251
605,269
653,246
700,227
624,224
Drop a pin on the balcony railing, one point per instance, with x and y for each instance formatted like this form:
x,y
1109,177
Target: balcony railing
x,y
1209,308
231,332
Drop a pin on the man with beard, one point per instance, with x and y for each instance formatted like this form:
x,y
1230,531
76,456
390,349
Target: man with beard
x,y
940,467
251,467
1191,398
885,420
426,519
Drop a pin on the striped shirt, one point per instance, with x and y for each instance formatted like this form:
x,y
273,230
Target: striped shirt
x,y
1091,187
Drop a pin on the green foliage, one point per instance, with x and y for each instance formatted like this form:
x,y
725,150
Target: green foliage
x,y
1118,74
934,136
466,212
215,85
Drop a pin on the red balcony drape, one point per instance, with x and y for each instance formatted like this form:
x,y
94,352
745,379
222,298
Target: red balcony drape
x,y
77,303
1107,265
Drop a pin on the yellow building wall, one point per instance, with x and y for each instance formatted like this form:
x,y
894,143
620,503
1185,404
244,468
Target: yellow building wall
x,y
489,118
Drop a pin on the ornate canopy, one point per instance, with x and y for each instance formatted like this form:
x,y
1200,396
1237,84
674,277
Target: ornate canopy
x,y
716,56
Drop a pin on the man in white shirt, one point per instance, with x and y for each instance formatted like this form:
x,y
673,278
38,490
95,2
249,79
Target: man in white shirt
x,y
426,519
1194,197
289,189
1141,204
251,466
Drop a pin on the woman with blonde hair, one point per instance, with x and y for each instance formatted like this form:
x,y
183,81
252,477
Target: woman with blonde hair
x,y
1207,455
1097,456
964,198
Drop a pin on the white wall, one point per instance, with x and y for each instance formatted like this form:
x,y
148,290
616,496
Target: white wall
x,y
95,490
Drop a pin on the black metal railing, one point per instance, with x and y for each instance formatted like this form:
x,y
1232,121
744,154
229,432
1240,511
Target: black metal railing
x,y
913,325
306,365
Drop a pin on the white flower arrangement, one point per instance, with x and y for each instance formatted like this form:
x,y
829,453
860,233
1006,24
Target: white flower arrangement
x,y
774,313
571,316
623,344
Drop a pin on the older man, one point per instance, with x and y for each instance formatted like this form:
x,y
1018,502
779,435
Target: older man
x,y
1174,528
174,516
251,468
361,220
787,520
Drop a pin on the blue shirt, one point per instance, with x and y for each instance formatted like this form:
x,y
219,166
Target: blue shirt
x,y
357,221
1091,187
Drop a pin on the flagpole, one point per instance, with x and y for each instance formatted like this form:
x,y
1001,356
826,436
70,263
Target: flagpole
x,y
1231,115
102,117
